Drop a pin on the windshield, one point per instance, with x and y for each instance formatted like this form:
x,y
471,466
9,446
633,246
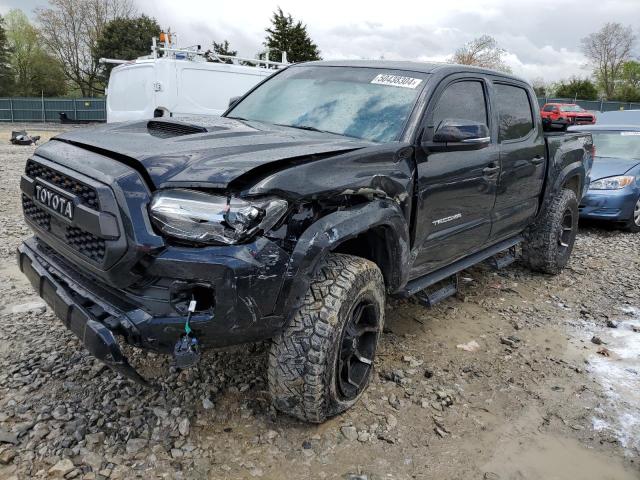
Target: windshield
x,y
367,103
617,144
571,108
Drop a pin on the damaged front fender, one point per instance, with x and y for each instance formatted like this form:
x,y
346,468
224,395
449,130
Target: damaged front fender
x,y
333,230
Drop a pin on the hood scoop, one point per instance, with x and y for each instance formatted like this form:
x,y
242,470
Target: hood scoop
x,y
171,129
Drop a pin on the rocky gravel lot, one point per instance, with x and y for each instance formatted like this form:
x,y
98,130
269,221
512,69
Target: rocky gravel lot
x,y
503,382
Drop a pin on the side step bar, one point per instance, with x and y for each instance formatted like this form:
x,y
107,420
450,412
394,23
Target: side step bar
x,y
501,261
420,283
430,296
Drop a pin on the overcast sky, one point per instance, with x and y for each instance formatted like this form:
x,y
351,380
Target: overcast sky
x,y
542,36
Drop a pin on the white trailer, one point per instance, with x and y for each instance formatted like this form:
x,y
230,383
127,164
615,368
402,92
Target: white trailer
x,y
180,82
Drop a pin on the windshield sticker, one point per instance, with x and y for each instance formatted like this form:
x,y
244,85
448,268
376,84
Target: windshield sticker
x,y
629,133
396,81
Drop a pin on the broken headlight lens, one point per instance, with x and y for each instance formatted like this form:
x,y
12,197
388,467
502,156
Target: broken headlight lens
x,y
612,183
201,217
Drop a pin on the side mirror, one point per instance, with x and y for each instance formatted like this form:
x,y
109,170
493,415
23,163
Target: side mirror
x,y
234,100
460,135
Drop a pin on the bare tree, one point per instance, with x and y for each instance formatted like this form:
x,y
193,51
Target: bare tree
x,y
607,50
70,29
482,52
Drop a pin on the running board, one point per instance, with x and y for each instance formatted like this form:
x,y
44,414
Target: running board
x,y
420,283
429,297
501,261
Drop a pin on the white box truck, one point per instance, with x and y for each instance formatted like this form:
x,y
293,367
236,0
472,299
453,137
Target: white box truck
x,y
180,82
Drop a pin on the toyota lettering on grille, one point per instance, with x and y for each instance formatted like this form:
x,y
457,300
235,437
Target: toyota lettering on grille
x,y
54,201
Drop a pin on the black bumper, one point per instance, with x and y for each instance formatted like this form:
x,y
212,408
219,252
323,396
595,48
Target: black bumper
x,y
99,315
97,338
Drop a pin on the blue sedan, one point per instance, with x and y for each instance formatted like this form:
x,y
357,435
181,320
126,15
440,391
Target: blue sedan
x,y
614,191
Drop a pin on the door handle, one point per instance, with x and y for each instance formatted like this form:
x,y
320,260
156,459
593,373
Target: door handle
x,y
537,160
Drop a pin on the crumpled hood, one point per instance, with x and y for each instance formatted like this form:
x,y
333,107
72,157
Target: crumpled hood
x,y
610,167
227,150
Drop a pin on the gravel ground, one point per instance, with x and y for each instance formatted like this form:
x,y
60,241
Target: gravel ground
x,y
503,382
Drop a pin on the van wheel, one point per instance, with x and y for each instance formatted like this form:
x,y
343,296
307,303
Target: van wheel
x,y
549,241
322,362
633,225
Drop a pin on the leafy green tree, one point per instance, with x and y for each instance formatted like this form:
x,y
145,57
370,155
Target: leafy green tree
x,y
629,89
35,71
288,35
6,73
125,39
70,30
578,88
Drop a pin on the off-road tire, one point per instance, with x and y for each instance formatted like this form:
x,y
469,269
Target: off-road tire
x,y
548,245
632,223
303,361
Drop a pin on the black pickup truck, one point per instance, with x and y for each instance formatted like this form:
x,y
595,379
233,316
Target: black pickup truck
x,y
325,189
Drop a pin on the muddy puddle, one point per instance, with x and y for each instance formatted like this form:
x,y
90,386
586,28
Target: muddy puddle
x,y
617,369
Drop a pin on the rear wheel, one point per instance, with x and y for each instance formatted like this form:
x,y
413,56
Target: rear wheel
x,y
322,362
633,224
549,242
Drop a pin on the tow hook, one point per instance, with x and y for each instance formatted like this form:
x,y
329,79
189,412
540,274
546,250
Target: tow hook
x,y
186,352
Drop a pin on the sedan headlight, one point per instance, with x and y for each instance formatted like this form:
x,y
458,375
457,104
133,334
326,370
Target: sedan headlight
x,y
612,183
200,217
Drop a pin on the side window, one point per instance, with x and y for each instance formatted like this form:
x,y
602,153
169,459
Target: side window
x,y
514,111
461,101
549,108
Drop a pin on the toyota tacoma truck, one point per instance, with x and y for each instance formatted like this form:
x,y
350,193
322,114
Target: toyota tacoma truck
x,y
321,192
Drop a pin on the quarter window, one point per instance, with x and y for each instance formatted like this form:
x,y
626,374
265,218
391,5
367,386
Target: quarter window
x,y
461,101
514,110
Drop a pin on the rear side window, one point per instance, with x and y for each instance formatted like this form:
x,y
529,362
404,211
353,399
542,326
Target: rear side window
x,y
514,110
461,101
548,108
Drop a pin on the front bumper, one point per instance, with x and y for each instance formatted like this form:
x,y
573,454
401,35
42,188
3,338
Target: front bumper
x,y
97,338
613,205
244,292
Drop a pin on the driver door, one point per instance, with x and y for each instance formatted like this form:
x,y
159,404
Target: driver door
x,y
456,189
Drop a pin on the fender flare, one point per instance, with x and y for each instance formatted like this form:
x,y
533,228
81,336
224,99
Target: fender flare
x,y
329,232
571,170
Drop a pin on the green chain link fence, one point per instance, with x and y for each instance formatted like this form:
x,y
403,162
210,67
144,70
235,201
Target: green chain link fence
x,y
34,109
593,105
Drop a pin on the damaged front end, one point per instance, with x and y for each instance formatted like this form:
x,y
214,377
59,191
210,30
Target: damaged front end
x,y
191,265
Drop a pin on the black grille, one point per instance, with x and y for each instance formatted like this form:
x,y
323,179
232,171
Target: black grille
x,y
35,213
86,243
170,129
87,194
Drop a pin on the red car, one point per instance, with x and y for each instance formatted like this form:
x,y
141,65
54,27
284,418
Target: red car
x,y
565,114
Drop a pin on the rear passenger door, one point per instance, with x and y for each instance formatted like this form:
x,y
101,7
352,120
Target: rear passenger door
x,y
522,159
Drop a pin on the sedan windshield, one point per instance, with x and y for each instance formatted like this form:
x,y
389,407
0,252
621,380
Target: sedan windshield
x,y
367,103
617,144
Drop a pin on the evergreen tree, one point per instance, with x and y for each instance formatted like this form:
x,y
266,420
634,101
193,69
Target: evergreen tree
x,y
288,35
223,48
578,88
6,73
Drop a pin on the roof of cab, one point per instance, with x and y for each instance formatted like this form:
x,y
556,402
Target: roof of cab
x,y
421,67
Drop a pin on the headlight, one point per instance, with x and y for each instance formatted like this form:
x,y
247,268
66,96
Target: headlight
x,y
612,183
200,217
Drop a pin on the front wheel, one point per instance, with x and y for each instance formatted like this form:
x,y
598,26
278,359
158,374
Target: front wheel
x,y
322,362
549,241
633,224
